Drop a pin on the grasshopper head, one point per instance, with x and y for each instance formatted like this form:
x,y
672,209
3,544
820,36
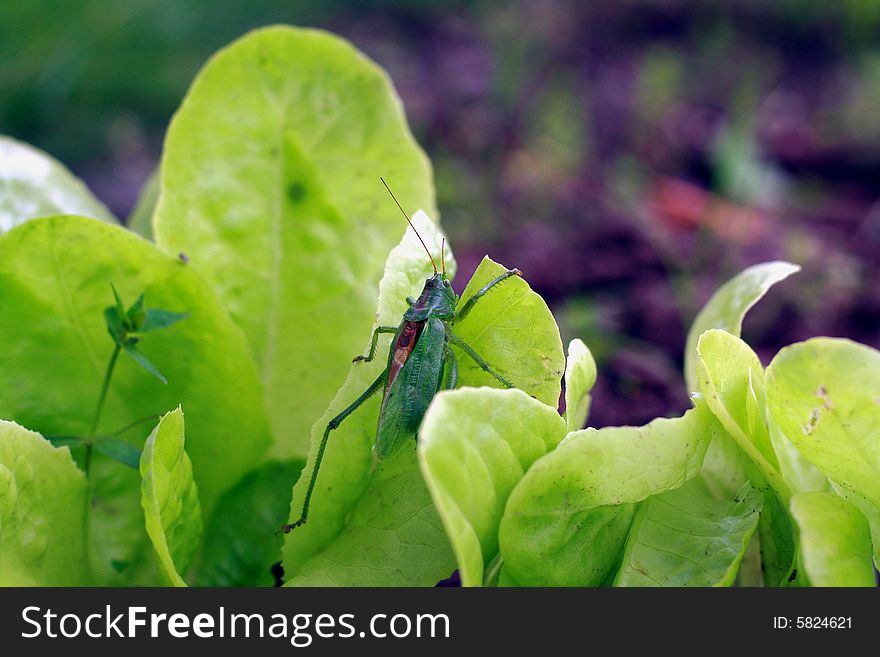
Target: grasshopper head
x,y
436,300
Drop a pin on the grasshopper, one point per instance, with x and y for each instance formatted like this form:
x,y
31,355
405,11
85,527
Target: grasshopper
x,y
420,364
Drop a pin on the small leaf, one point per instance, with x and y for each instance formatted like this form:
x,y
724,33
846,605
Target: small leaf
x,y
514,331
156,319
120,308
471,469
729,305
136,313
169,497
835,540
731,380
119,450
580,377
143,361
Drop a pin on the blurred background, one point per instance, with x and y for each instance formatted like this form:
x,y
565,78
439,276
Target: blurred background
x,y
628,155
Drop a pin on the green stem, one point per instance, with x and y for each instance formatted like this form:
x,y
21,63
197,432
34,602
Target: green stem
x,y
147,418
104,388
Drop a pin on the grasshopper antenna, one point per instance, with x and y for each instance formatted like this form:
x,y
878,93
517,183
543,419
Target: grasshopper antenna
x,y
406,216
443,255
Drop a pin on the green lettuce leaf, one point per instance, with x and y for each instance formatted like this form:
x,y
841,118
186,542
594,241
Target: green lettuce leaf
x,y
514,331
475,444
835,540
43,500
580,377
732,382
824,394
240,540
567,520
729,305
34,184
55,276
270,185
169,498
687,537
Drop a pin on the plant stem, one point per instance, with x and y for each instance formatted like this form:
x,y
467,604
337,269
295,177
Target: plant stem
x,y
132,425
104,388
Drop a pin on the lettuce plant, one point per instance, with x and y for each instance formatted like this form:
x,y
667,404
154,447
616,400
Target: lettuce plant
x,y
260,255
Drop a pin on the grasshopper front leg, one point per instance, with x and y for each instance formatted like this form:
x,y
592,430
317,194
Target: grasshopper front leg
x,y
470,303
374,342
479,360
331,425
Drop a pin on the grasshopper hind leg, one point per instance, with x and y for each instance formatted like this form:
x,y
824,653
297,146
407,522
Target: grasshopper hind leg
x,y
331,425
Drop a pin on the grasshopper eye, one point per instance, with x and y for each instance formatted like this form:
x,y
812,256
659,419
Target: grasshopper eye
x,y
446,283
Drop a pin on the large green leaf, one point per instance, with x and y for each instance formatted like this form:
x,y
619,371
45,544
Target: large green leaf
x,y
687,537
835,540
33,184
580,377
270,185
567,519
55,276
824,394
43,500
370,526
729,305
241,543
475,444
170,498
514,331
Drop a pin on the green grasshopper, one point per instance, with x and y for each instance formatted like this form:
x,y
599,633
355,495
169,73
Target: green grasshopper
x,y
420,364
